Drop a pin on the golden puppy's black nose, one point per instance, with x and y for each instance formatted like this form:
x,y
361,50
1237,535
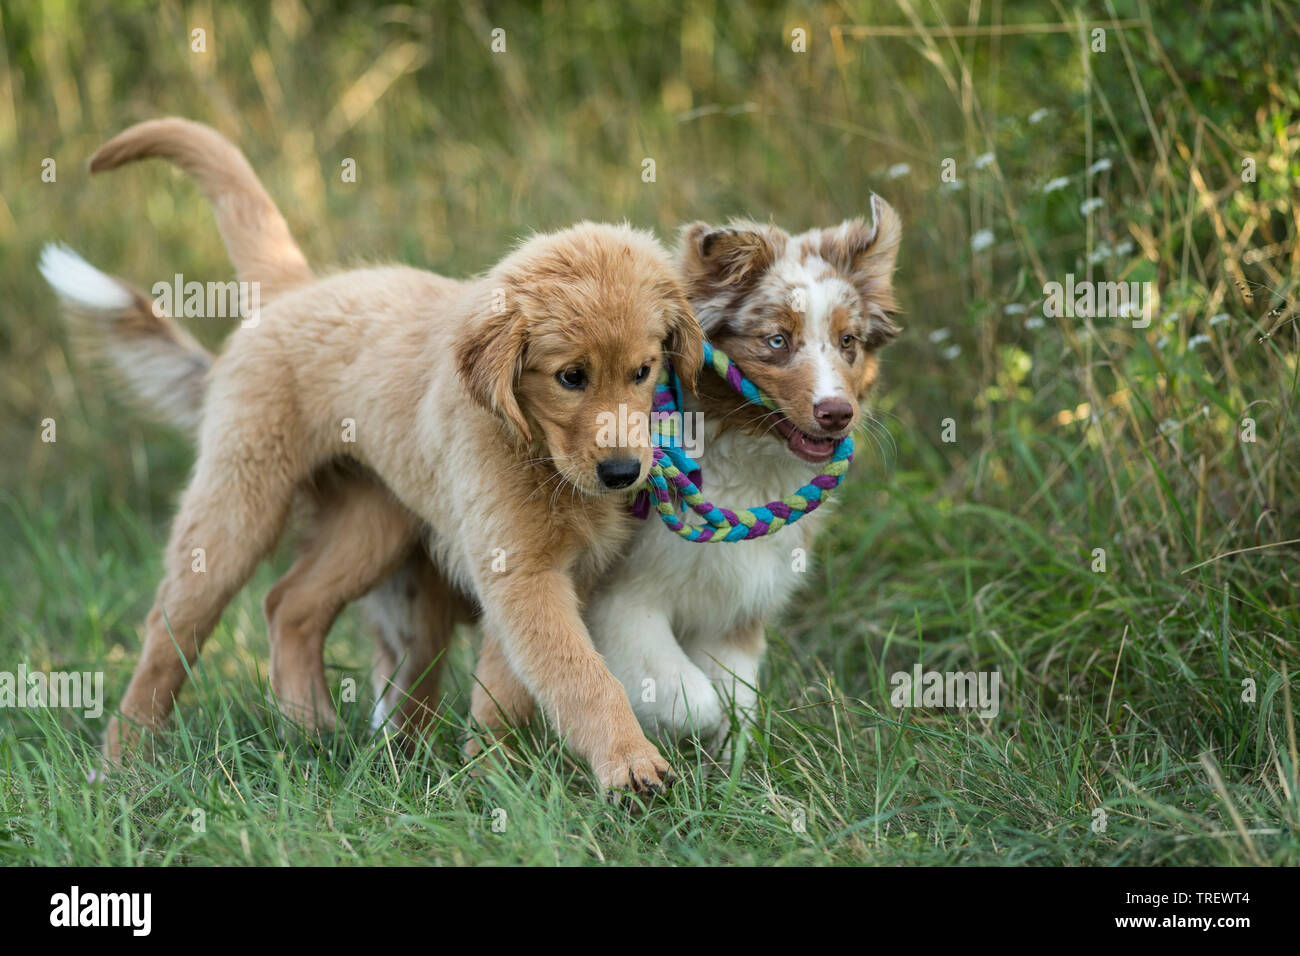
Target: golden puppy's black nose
x,y
618,472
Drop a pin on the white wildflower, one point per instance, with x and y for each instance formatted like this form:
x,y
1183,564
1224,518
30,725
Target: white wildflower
x,y
1102,251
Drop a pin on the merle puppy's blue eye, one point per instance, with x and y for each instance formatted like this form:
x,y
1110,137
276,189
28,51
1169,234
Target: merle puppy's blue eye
x,y
572,378
776,341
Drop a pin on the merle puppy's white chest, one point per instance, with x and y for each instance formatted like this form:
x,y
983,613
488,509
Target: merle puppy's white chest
x,y
716,587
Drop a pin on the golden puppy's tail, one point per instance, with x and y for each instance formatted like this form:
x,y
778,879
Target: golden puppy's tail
x,y
256,235
163,367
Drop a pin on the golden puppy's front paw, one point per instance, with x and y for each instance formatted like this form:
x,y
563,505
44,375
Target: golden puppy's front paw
x,y
637,768
309,710
124,742
487,749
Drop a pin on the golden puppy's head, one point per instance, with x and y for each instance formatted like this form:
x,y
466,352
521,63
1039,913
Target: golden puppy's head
x,y
803,316
572,335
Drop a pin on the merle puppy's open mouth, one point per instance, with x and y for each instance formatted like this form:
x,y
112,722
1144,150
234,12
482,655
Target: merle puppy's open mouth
x,y
811,448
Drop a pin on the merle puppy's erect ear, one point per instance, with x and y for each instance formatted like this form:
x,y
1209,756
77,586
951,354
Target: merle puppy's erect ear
x,y
490,359
865,255
727,258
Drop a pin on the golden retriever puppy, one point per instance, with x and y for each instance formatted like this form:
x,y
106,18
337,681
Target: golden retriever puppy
x,y
478,403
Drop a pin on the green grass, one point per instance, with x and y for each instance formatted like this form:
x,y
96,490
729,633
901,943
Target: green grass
x,y
1122,689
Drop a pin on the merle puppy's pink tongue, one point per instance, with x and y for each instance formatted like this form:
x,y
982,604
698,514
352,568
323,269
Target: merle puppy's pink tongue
x,y
809,448
804,446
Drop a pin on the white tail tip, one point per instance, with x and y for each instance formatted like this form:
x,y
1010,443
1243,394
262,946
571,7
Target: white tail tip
x,y
78,282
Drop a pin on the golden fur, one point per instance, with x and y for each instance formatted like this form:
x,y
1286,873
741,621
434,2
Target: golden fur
x,y
453,390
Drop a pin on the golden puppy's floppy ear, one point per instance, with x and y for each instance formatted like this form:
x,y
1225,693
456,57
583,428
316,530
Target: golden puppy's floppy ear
x,y
866,256
685,342
490,359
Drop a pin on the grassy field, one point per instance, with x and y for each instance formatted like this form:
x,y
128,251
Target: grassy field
x,y
1148,708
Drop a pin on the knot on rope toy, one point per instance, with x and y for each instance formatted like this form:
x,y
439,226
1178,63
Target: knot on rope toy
x,y
675,473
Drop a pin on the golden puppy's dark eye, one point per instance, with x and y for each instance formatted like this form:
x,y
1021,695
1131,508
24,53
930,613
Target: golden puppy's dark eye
x,y
572,378
642,374
776,341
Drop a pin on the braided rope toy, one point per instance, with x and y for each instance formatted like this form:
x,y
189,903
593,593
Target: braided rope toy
x,y
674,468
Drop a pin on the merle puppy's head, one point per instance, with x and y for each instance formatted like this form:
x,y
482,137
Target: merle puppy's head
x,y
803,316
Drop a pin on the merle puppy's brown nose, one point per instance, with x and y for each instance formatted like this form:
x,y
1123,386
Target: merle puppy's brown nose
x,y
833,414
618,472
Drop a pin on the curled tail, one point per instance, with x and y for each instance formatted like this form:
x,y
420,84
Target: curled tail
x,y
164,369
256,235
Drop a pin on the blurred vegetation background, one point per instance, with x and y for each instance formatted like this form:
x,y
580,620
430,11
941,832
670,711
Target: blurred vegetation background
x,y
1072,434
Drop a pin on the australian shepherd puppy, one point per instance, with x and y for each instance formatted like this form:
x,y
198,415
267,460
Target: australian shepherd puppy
x,y
682,624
